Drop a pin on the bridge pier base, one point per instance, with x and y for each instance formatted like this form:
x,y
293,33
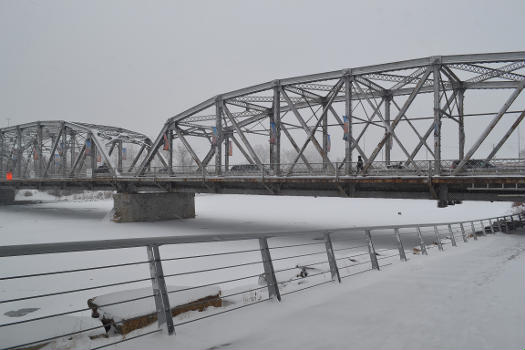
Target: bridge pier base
x,y
153,206
443,196
7,196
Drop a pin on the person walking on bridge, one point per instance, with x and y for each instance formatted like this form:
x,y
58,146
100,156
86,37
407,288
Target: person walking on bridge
x,y
359,164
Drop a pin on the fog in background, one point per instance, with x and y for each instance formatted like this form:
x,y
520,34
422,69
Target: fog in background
x,y
136,63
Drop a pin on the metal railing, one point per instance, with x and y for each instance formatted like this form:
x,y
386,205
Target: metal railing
x,y
246,269
338,169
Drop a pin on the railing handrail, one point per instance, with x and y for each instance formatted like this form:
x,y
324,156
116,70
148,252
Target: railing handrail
x,y
79,246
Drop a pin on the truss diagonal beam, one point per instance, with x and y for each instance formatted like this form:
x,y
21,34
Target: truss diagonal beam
x,y
297,149
389,130
243,137
487,131
311,134
53,150
189,148
398,118
506,136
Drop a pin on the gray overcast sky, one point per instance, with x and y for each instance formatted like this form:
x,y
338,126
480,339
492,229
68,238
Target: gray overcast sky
x,y
137,63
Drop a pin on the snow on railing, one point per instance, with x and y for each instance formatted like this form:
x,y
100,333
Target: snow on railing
x,y
184,279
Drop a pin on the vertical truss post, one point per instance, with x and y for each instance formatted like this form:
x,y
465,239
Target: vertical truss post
x,y
269,273
19,152
506,224
388,146
437,121
489,128
331,258
348,113
218,136
500,227
40,149
72,147
438,239
2,151
169,133
324,127
119,155
461,124
400,247
160,292
422,244
275,146
463,233
226,152
452,237
93,155
63,152
372,251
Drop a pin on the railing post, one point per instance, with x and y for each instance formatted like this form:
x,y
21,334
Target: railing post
x,y
436,232
491,225
512,227
400,247
271,281
483,233
463,233
372,251
474,231
506,225
499,225
331,258
452,238
422,244
160,293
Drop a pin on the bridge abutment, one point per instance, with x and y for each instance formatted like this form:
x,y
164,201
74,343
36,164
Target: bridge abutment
x,y
153,206
7,196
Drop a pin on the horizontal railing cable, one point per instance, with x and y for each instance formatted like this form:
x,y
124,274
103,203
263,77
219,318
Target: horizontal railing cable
x,y
73,270
127,339
349,248
296,245
213,284
221,312
74,290
356,273
213,269
299,256
211,254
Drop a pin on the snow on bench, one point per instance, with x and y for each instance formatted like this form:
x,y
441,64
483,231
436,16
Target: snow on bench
x,y
126,317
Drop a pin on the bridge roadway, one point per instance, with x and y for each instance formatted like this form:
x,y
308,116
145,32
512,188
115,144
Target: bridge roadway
x,y
445,189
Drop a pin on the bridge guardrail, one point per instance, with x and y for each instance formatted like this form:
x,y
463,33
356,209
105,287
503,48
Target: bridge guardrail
x,y
508,166
378,168
241,269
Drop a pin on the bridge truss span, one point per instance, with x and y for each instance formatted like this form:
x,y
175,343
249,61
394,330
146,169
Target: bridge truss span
x,y
434,128
388,115
65,150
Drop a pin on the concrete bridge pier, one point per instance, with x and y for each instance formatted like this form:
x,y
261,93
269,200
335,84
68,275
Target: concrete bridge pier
x,y
7,196
153,206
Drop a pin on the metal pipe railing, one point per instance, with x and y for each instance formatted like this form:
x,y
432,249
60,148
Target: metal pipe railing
x,y
344,258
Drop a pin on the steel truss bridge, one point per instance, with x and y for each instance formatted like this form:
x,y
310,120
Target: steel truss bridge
x,y
311,128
